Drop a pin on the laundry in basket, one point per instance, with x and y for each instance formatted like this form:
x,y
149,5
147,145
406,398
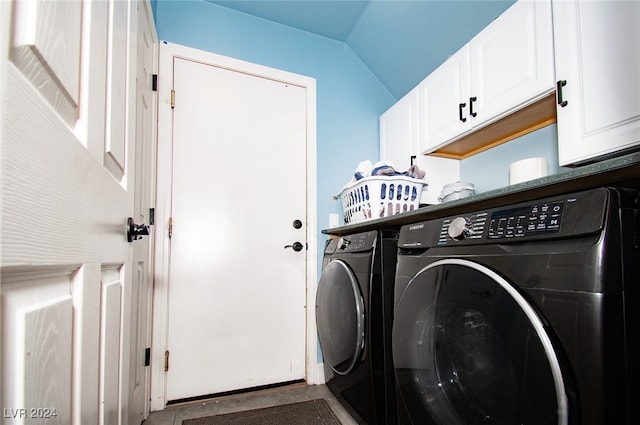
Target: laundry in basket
x,y
379,190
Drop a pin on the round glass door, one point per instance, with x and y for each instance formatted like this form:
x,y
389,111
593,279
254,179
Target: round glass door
x,y
468,349
340,317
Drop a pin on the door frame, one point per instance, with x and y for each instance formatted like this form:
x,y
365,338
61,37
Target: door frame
x,y
169,51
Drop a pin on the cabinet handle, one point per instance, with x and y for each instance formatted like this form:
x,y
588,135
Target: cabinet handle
x,y
471,100
559,87
412,158
460,106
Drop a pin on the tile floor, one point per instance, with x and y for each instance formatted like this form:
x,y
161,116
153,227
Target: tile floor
x,y
175,414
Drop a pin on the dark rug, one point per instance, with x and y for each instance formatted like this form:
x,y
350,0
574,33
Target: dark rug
x,y
314,412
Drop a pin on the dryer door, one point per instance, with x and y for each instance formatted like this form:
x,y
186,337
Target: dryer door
x,y
340,317
469,349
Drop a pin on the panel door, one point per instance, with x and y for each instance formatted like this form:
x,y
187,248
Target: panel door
x,y
597,62
399,131
512,61
67,163
236,285
444,102
505,67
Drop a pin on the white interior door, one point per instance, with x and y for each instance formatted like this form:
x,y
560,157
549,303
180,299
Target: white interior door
x,y
67,149
237,296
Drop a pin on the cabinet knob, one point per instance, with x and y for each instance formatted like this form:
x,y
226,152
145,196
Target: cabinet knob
x,y
460,107
559,86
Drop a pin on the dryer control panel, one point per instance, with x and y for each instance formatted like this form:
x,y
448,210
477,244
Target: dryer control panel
x,y
352,243
568,215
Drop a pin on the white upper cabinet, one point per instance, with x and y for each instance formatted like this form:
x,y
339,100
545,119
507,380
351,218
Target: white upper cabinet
x,y
505,67
399,131
399,143
597,69
444,102
512,60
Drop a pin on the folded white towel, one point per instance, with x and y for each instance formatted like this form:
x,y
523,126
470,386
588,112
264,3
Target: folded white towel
x,y
362,170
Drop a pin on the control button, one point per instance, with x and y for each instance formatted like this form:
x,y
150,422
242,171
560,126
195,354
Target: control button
x,y
458,229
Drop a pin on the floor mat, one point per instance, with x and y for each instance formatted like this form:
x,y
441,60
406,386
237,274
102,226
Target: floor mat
x,y
313,412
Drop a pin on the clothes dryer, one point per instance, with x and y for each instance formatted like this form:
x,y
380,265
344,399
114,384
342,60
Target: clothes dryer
x,y
354,305
521,314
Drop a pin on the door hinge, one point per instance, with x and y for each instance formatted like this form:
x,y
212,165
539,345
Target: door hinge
x,y
147,356
173,98
166,361
170,227
154,82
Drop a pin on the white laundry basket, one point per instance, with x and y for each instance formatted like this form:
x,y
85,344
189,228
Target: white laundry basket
x,y
380,196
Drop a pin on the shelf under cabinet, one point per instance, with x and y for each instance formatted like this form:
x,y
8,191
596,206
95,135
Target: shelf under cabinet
x,y
526,120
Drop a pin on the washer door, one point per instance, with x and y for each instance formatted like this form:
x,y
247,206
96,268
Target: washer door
x,y
469,349
340,317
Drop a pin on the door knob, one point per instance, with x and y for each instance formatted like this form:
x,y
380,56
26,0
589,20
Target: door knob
x,y
136,231
297,246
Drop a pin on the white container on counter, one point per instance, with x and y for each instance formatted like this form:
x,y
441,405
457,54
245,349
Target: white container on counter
x,y
528,169
456,190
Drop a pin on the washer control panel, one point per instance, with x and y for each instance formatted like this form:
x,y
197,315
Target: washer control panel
x,y
558,217
509,223
518,222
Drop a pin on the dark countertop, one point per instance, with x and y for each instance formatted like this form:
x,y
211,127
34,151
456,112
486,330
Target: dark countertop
x,y
620,171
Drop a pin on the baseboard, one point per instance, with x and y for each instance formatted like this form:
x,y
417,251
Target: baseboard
x,y
319,378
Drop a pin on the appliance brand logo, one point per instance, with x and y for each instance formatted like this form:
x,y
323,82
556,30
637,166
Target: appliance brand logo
x,y
416,227
411,244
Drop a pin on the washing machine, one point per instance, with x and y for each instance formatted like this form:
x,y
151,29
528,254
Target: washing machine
x,y
523,314
354,305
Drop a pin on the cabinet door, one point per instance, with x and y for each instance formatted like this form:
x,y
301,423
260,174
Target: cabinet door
x,y
444,96
596,51
507,66
399,131
67,78
512,61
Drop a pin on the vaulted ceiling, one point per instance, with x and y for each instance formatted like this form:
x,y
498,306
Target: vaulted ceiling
x,y
401,41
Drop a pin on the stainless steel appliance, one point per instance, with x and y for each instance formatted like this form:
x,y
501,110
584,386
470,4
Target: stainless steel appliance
x,y
354,304
522,314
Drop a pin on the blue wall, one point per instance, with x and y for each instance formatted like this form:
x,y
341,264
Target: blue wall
x,y
349,97
489,170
